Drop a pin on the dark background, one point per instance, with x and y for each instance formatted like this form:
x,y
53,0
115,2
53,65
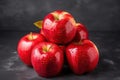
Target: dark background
x,y
97,15
101,17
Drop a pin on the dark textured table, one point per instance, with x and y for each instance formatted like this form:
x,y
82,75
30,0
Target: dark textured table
x,y
108,43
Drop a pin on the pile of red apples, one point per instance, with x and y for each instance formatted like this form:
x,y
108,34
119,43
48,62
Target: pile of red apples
x,y
61,39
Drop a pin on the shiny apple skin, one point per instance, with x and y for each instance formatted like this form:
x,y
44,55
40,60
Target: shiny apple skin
x,y
41,32
82,57
47,64
25,47
81,33
59,31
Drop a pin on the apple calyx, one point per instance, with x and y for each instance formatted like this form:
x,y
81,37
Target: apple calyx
x,y
31,37
46,48
56,16
38,24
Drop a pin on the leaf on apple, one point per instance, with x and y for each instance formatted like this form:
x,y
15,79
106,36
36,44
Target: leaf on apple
x,y
38,24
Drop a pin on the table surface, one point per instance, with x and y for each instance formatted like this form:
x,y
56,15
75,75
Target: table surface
x,y
108,43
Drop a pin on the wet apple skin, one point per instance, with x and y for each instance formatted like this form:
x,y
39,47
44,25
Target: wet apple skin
x,y
25,47
82,57
47,64
59,31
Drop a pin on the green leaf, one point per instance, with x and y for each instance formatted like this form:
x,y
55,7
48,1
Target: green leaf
x,y
38,24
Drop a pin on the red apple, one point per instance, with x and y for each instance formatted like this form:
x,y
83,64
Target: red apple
x,y
81,33
47,59
82,57
59,27
41,32
26,45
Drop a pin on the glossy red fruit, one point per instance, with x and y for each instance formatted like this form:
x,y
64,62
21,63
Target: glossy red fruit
x,y
82,57
41,32
47,59
81,33
26,45
59,27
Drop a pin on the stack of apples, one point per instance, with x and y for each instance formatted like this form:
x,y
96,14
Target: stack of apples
x,y
61,38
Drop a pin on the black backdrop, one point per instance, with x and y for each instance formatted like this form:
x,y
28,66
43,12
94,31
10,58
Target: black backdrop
x,y
101,15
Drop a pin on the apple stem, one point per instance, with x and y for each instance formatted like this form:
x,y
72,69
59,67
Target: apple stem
x,y
49,47
77,24
46,48
30,36
56,18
